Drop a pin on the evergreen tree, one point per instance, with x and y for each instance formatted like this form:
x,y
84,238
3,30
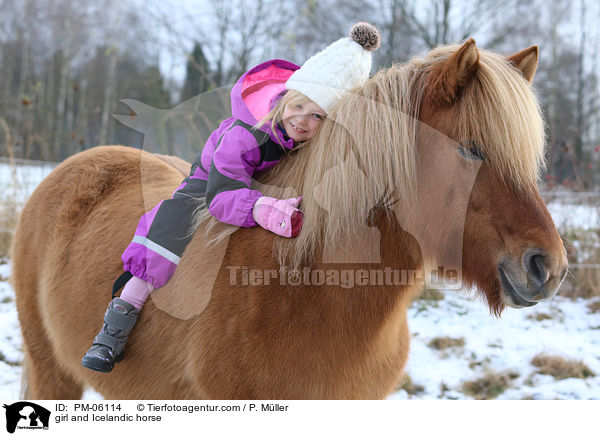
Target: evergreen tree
x,y
197,77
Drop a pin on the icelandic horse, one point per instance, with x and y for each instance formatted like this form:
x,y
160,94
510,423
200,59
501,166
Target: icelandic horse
x,y
437,159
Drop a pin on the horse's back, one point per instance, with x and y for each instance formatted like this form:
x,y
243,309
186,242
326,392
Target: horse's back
x,y
103,180
69,239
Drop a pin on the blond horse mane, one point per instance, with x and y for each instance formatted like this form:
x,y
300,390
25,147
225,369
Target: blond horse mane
x,y
364,153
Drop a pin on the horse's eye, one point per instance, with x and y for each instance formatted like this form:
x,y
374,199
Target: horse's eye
x,y
469,150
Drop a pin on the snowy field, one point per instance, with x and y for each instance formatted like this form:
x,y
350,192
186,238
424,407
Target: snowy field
x,y
458,350
17,180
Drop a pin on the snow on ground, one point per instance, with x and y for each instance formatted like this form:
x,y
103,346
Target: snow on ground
x,y
10,339
486,345
502,345
19,180
571,216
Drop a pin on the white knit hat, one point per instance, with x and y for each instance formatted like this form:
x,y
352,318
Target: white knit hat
x,y
346,63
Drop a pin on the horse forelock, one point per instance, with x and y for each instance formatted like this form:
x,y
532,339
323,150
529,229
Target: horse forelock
x,y
498,110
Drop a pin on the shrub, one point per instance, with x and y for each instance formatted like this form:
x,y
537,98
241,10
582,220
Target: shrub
x,y
561,368
489,385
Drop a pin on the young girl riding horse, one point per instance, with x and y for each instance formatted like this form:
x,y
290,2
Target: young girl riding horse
x,y
291,103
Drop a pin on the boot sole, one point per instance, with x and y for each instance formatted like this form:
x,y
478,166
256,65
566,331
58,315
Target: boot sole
x,y
97,366
100,366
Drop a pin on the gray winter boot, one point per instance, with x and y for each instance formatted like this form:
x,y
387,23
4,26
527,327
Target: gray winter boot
x,y
108,345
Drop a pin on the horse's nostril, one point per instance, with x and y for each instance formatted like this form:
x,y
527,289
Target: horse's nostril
x,y
535,265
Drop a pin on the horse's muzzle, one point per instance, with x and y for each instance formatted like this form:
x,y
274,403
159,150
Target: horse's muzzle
x,y
534,277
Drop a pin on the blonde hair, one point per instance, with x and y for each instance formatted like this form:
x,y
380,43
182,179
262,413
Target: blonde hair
x,y
275,116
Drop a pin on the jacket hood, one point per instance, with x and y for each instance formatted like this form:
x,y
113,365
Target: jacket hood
x,y
253,94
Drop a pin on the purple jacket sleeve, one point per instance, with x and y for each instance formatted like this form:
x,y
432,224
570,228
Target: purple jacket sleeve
x,y
228,194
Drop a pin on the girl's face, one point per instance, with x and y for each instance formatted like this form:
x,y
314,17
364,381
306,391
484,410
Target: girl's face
x,y
301,120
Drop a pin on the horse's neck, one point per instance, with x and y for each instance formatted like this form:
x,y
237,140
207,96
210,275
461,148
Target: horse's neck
x,y
392,279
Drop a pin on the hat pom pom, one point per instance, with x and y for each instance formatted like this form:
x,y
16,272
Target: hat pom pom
x,y
366,35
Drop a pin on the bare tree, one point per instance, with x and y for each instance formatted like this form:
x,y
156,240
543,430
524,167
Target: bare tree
x,y
443,21
396,36
579,102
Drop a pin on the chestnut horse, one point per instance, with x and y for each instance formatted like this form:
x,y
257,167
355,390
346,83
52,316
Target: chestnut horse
x,y
437,160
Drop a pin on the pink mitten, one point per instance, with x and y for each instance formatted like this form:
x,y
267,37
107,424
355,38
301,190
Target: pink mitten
x,y
279,216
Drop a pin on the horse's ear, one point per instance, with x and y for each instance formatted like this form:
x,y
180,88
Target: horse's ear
x,y
526,61
456,71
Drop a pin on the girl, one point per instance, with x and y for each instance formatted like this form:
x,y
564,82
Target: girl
x,y
292,103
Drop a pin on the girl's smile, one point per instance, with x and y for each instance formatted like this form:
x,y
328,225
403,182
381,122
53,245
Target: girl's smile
x,y
301,120
296,128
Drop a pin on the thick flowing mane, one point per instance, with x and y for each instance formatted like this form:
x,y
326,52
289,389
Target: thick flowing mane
x,y
364,154
362,157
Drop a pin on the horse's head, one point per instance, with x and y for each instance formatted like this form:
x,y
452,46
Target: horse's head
x,y
452,145
487,135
